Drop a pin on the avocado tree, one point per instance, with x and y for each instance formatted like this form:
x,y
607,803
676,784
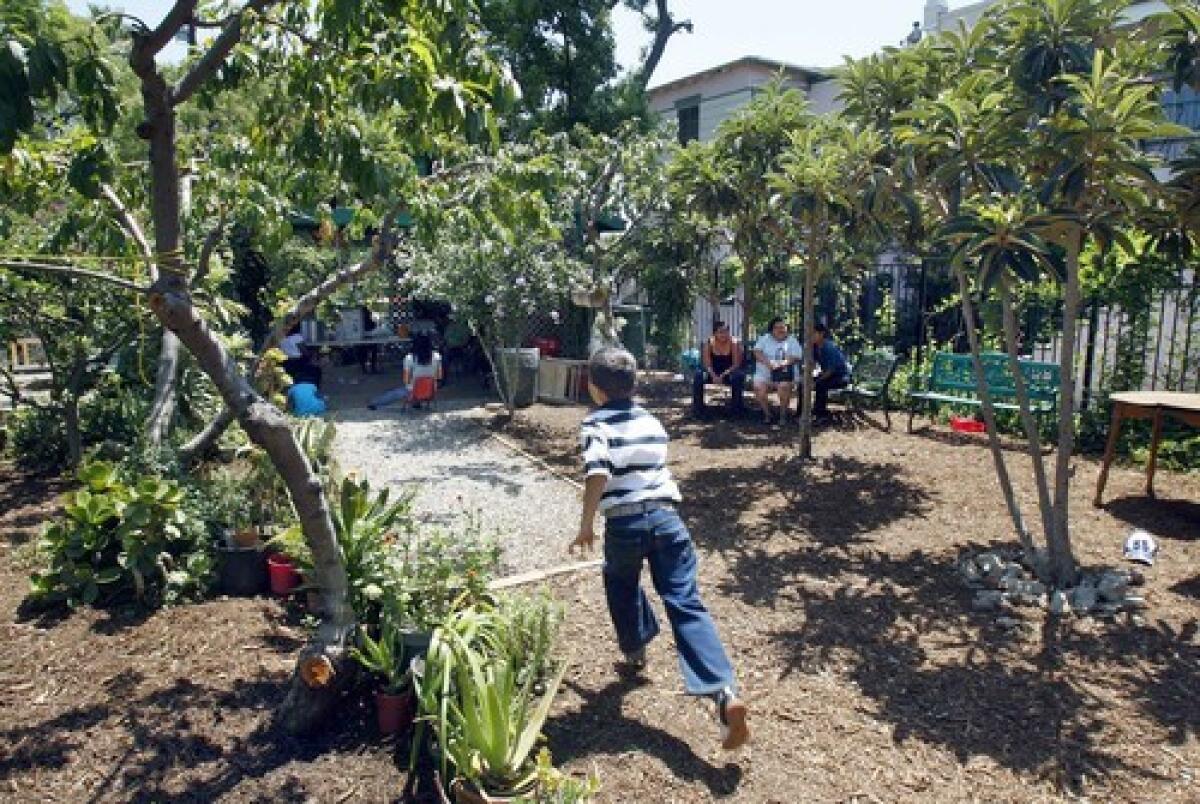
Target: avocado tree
x,y
494,246
416,70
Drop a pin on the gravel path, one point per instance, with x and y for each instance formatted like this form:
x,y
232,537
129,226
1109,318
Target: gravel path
x,y
457,469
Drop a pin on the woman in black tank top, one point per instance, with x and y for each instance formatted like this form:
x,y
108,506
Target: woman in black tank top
x,y
720,365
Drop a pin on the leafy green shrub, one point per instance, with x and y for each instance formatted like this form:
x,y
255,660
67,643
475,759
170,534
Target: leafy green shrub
x,y
120,539
37,439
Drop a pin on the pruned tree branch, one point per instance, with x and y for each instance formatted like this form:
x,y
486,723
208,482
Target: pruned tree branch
x,y
203,442
216,54
73,271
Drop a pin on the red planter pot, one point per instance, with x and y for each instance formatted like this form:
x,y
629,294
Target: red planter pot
x,y
284,575
394,713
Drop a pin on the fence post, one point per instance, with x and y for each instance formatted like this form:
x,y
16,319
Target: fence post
x,y
1089,358
920,319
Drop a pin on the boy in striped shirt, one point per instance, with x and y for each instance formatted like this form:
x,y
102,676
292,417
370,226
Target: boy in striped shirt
x,y
625,456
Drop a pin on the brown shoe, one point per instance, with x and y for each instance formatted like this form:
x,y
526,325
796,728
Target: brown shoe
x,y
733,715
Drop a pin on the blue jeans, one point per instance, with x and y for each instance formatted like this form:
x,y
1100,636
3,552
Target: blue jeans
x,y
388,397
661,538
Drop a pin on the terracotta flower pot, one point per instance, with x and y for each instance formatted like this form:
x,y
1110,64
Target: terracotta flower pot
x,y
246,537
394,712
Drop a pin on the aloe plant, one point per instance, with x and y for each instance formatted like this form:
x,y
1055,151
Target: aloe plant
x,y
484,701
385,657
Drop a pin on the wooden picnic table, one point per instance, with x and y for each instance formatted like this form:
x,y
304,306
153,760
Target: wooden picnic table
x,y
1155,405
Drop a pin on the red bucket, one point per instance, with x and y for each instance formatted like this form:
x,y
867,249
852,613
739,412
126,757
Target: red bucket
x,y
283,573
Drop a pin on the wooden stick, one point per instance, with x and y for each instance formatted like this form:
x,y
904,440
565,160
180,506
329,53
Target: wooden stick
x,y
544,574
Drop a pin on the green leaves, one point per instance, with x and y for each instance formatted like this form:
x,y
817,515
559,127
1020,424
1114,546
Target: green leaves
x,y
1179,43
16,100
91,166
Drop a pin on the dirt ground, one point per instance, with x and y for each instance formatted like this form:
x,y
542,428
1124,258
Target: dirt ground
x,y
833,584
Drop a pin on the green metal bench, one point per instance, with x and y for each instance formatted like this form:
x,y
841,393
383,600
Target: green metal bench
x,y
870,382
952,382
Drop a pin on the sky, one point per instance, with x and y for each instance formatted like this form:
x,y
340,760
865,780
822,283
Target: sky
x,y
814,33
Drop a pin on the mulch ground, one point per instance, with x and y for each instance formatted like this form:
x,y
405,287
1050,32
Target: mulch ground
x,y
833,583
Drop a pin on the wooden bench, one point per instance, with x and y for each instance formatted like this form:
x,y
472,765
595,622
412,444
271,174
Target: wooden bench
x,y
870,383
952,382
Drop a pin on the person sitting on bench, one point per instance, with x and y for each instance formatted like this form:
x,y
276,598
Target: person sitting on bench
x,y
776,355
721,364
835,371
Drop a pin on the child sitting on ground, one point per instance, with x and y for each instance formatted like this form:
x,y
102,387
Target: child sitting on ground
x,y
625,455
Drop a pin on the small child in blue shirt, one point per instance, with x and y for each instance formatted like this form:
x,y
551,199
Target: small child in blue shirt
x,y
305,400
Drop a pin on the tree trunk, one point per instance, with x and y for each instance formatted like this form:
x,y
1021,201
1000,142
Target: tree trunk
x,y
664,28
806,382
166,383
70,409
307,706
1062,557
989,415
1045,505
203,442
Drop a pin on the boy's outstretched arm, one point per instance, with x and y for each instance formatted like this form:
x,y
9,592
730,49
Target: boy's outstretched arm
x,y
592,491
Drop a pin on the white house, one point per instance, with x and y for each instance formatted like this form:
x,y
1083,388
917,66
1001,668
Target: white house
x,y
699,102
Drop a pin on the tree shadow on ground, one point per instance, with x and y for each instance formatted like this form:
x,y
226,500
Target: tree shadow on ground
x,y
25,501
1170,519
898,628
599,721
829,506
174,736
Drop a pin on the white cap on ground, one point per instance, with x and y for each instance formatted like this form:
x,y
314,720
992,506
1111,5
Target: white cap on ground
x,y
1141,547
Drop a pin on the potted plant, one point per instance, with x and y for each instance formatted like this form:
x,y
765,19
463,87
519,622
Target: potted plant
x,y
487,707
290,561
385,658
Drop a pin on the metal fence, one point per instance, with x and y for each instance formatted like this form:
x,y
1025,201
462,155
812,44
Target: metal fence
x,y
1155,347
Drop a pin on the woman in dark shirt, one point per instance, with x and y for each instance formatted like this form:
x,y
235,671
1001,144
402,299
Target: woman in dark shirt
x,y
721,364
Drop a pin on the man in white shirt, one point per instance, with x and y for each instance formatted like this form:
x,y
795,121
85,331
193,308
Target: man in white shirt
x,y
776,355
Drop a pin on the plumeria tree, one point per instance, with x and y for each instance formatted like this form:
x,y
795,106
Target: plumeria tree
x,y
724,179
822,184
1024,157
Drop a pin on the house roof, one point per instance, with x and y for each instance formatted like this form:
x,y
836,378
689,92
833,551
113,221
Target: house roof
x,y
809,74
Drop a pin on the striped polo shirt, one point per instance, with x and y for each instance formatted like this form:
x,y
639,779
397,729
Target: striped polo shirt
x,y
624,443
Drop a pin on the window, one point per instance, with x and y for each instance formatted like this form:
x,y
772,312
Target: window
x,y
1182,108
689,123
